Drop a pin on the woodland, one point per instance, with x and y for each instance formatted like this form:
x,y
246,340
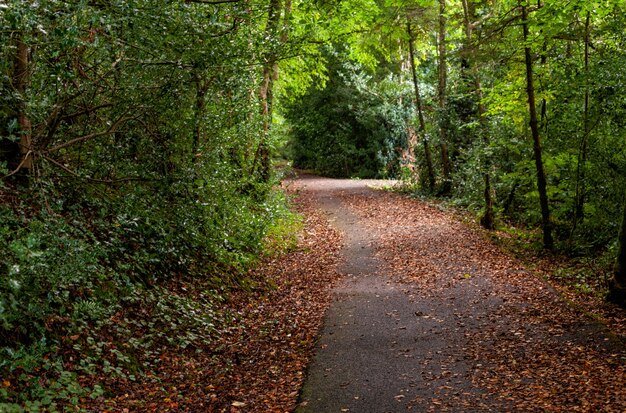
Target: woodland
x,y
142,144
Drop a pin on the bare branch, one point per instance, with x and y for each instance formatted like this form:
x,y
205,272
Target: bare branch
x,y
232,29
26,157
85,112
112,129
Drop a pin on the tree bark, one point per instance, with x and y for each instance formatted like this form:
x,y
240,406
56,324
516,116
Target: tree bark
x,y
579,212
443,75
487,219
201,89
617,285
420,113
21,78
548,242
270,70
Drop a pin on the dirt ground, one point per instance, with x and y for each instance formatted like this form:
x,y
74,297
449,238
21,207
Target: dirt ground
x,y
430,316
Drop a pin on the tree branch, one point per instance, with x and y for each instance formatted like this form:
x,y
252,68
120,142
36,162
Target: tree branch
x,y
16,170
102,181
85,112
232,29
112,129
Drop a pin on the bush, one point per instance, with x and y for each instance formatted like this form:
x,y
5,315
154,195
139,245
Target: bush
x,y
353,126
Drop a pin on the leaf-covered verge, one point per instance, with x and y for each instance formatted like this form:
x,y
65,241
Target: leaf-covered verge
x,y
183,344
531,351
583,280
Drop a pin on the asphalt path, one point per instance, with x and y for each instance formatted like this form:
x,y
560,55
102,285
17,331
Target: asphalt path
x,y
383,347
444,321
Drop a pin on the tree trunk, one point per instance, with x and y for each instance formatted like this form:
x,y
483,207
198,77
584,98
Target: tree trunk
x,y
579,212
420,114
443,74
617,285
201,89
262,157
270,70
487,219
544,103
21,78
548,242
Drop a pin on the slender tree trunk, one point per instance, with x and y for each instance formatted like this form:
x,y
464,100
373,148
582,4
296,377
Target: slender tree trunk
x,y
548,242
262,157
443,75
487,219
544,103
284,32
579,213
270,70
508,202
420,113
21,78
617,285
201,89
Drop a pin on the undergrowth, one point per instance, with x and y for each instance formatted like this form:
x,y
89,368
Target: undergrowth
x,y
96,287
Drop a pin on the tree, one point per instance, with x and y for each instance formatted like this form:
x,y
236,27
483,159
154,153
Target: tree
x,y
548,241
21,77
270,73
581,164
442,96
353,126
617,285
420,112
487,219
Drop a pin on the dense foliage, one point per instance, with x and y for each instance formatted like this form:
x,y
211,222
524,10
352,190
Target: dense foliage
x,y
136,139
354,126
518,111
518,114
130,135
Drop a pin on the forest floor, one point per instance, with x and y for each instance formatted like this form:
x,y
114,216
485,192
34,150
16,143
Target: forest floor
x,y
389,304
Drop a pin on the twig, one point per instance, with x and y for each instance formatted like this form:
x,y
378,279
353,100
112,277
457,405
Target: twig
x,y
29,153
112,129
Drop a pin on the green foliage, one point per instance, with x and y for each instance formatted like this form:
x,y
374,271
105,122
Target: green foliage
x,y
71,269
582,149
353,126
282,234
146,129
148,137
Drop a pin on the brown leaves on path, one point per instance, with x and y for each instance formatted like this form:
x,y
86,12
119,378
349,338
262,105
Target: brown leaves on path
x,y
272,346
529,350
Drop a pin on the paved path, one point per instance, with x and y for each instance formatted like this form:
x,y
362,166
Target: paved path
x,y
376,340
451,338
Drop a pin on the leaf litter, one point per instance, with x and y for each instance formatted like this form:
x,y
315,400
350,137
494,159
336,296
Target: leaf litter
x,y
258,359
529,350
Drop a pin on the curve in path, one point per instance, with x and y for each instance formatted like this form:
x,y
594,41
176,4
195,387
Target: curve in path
x,y
376,341
391,346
